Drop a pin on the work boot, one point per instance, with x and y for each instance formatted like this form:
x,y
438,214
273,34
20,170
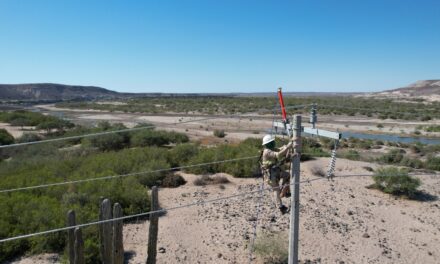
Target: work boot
x,y
283,209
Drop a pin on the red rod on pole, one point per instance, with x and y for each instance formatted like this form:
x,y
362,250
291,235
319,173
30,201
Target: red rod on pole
x,y
283,109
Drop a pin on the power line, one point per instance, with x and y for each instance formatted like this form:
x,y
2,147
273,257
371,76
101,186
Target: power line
x,y
99,133
131,129
145,172
123,175
143,214
164,210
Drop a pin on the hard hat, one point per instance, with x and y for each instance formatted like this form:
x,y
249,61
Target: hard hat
x,y
267,139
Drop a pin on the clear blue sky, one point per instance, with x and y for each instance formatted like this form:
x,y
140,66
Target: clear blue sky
x,y
221,45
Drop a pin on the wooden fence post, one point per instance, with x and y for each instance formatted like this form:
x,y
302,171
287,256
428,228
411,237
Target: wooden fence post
x,y
154,227
118,246
71,235
79,247
105,231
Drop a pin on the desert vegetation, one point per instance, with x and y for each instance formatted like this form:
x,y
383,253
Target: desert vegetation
x,y
337,105
148,149
395,181
23,118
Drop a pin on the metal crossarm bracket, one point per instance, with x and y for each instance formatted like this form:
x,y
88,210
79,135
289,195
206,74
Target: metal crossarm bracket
x,y
312,131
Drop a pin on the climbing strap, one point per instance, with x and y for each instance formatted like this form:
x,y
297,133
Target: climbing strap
x,y
331,168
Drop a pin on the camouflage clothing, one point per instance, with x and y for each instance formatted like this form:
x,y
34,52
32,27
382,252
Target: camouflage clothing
x,y
273,170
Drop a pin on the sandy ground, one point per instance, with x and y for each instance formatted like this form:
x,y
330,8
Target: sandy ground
x,y
16,132
252,122
237,128
340,222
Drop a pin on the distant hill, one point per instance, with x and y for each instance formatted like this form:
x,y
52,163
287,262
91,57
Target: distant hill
x,y
428,90
420,88
51,91
59,92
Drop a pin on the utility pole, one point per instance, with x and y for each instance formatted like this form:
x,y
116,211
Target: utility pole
x,y
313,116
294,190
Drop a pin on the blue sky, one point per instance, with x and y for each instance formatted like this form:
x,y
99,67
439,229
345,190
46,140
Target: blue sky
x,y
221,45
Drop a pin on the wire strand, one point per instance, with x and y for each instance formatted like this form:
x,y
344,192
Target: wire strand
x,y
164,210
123,175
133,129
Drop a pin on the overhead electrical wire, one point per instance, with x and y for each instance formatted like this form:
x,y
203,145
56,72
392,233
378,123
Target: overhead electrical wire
x,y
164,210
123,175
128,129
144,213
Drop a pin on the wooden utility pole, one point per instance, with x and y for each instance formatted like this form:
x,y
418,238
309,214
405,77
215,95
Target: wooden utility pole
x,y
71,235
154,227
79,247
294,189
106,232
118,246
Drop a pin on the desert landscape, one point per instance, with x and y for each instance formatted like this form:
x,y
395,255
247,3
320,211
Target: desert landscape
x,y
341,222
217,132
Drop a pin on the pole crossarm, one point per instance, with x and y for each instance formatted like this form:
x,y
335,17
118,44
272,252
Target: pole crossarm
x,y
312,131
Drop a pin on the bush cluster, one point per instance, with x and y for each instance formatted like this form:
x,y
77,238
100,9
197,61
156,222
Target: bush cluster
x,y
433,128
219,133
5,137
398,157
26,118
140,138
395,181
173,181
272,247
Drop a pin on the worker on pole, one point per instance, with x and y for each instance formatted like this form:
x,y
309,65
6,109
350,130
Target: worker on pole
x,y
272,162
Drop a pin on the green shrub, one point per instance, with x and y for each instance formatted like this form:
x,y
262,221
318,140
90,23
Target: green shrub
x,y
44,209
394,156
29,137
108,142
151,137
219,133
181,153
242,168
433,128
426,118
433,163
395,181
412,163
272,248
5,137
351,155
173,181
